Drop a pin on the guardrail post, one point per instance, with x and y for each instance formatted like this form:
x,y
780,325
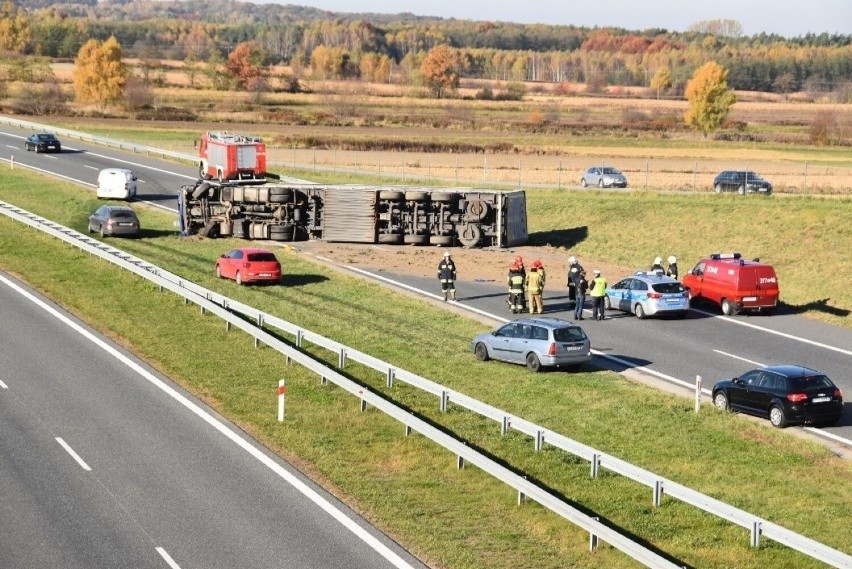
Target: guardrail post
x,y
445,396
323,380
408,430
460,463
504,425
658,492
697,393
299,334
363,402
341,359
596,464
203,311
593,539
755,533
227,325
390,376
257,345
539,440
161,288
260,320
282,395
185,300
521,498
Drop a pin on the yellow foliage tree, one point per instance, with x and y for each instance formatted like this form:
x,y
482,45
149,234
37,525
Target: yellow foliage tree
x,y
14,28
662,80
440,70
710,100
99,74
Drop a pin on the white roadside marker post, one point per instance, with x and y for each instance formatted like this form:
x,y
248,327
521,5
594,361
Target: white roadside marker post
x,y
697,393
282,395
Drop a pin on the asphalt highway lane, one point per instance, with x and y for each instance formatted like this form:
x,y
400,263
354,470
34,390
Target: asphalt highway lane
x,y
104,463
703,343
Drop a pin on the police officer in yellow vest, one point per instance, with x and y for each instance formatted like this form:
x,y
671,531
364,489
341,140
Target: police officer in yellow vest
x,y
534,284
515,280
598,292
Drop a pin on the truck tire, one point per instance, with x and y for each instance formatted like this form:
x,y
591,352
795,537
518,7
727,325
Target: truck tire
x,y
415,239
391,195
390,238
442,240
728,307
416,196
280,195
470,235
476,210
282,232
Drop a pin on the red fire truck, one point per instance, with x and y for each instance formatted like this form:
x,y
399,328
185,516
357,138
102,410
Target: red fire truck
x,y
231,156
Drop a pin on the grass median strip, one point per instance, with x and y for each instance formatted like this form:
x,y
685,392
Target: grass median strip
x,y
407,485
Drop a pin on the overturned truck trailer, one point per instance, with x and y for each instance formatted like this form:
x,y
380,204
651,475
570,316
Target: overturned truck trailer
x,y
354,214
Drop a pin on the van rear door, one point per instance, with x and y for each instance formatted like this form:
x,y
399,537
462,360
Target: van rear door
x,y
758,286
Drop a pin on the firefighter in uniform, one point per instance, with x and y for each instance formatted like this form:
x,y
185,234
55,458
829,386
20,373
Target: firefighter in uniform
x,y
447,276
658,265
672,270
515,280
534,283
574,269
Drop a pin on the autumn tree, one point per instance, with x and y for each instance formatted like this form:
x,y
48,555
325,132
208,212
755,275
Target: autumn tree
x,y
662,80
709,98
246,65
214,71
14,28
99,74
440,70
374,67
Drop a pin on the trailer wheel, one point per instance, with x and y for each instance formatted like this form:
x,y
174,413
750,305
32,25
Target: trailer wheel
x,y
443,240
416,196
415,239
282,232
390,238
476,210
391,195
470,235
280,195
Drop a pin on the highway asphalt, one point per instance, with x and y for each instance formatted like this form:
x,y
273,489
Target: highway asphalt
x,y
705,343
106,463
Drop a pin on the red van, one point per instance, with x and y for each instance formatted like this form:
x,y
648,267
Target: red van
x,y
733,283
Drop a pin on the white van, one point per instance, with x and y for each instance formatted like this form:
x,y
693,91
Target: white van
x,y
116,183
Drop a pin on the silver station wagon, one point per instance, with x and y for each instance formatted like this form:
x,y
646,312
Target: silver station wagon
x,y
535,342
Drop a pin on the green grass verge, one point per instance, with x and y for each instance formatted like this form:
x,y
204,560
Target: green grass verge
x,y
406,485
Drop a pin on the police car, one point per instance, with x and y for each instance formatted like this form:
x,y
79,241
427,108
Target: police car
x,y
648,293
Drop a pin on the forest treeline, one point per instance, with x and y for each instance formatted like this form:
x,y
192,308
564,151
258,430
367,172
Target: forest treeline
x,y
349,44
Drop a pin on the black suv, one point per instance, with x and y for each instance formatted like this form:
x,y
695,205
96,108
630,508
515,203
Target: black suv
x,y
785,394
742,181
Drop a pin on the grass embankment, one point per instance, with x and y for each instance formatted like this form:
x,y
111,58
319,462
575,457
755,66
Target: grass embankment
x,y
406,485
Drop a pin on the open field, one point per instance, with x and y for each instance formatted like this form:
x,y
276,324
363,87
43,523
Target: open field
x,y
450,518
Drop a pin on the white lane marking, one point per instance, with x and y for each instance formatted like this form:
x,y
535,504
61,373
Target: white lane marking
x,y
776,332
138,165
167,558
306,490
49,173
90,167
3,385
739,358
73,454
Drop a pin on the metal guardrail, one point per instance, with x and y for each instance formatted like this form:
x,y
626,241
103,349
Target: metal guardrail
x,y
223,308
756,525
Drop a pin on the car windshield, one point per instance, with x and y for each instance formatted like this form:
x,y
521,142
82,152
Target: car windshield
x,y
262,257
610,171
667,288
811,382
570,334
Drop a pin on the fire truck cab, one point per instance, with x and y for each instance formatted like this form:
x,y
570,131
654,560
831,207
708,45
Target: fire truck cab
x,y
231,156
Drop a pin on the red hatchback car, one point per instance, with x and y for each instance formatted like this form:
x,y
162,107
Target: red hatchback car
x,y
248,265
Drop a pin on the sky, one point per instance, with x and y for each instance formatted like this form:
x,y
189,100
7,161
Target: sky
x,y
788,18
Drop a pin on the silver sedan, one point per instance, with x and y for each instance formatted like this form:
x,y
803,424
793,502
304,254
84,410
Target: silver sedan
x,y
603,177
